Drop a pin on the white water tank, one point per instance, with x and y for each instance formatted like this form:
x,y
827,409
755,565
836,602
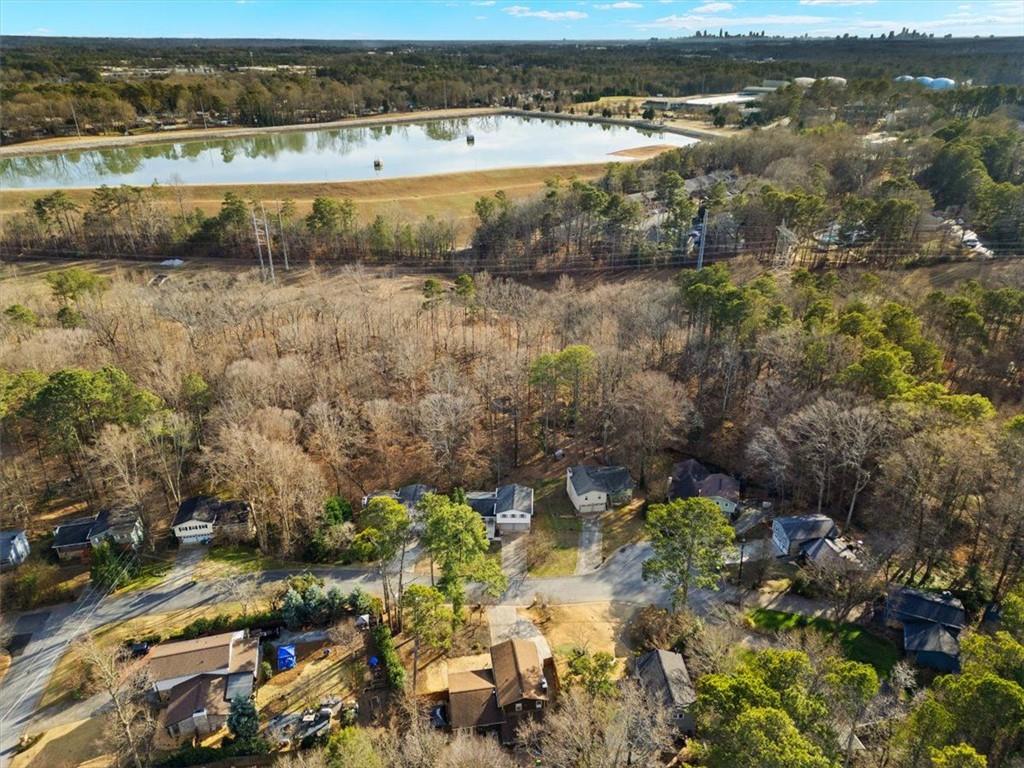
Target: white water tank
x,y
904,79
803,82
942,84
839,81
925,81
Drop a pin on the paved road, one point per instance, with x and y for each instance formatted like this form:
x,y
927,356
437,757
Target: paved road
x,y
619,578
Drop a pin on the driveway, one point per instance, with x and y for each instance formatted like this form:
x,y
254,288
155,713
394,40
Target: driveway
x,y
505,623
513,557
588,559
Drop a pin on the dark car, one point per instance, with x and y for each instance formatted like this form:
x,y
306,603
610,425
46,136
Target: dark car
x,y
138,649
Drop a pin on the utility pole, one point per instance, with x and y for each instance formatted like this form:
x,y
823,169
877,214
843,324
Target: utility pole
x,y
257,233
266,234
75,117
284,240
703,239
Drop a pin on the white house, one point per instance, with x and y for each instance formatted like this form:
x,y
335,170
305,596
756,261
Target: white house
x,y
506,509
596,489
14,549
200,519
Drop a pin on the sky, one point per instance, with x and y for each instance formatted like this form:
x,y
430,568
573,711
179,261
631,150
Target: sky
x,y
501,19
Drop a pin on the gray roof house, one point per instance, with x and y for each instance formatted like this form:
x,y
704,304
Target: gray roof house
x,y
596,489
663,674
506,509
409,495
790,534
14,548
931,624
691,478
122,526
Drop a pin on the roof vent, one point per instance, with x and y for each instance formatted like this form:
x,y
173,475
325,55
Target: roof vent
x,y
543,683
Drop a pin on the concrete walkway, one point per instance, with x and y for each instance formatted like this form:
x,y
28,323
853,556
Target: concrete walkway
x,y
504,623
588,559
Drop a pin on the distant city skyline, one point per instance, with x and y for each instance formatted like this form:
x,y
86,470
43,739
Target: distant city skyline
x,y
503,19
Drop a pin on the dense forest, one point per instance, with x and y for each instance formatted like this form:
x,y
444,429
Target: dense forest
x,y
50,85
889,406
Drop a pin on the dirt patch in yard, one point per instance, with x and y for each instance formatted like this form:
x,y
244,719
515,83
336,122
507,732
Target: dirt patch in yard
x,y
622,526
593,626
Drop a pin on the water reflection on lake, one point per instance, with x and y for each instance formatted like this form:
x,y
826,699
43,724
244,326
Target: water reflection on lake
x,y
338,154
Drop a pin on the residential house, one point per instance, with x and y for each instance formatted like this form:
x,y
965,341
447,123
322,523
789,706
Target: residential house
x,y
515,688
14,548
473,701
663,675
197,707
931,624
507,509
121,526
597,489
230,655
202,519
790,534
690,478
408,495
520,685
71,539
837,553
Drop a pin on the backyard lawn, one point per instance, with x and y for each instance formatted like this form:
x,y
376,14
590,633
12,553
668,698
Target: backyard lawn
x,y
150,574
555,535
858,644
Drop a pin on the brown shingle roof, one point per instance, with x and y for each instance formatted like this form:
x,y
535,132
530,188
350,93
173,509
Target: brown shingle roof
x,y
471,701
204,692
203,655
517,671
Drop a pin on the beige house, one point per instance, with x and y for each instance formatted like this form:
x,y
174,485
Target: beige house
x,y
230,655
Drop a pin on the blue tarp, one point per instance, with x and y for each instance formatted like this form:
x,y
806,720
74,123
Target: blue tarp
x,y
285,657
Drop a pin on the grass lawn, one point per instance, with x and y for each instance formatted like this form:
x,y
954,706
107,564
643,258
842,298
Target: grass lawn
x,y
622,526
67,746
224,562
555,534
313,679
857,643
152,573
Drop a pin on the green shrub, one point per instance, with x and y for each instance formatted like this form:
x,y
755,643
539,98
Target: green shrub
x,y
393,669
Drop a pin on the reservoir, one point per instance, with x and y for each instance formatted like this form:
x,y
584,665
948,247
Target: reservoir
x,y
340,154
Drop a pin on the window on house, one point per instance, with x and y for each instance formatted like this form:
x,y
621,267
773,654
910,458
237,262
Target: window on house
x,y
519,706
538,704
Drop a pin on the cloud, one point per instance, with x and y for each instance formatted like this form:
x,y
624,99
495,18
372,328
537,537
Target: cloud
x,y
620,6
838,2
483,2
713,8
43,31
480,18
524,11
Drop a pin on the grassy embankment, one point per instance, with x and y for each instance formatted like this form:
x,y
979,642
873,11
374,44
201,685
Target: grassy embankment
x,y
410,198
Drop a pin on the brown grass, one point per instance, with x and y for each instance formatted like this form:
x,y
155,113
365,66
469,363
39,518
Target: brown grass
x,y
600,626
622,526
67,746
412,197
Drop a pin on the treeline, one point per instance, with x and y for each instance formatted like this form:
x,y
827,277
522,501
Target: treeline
x,y
840,395
53,87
